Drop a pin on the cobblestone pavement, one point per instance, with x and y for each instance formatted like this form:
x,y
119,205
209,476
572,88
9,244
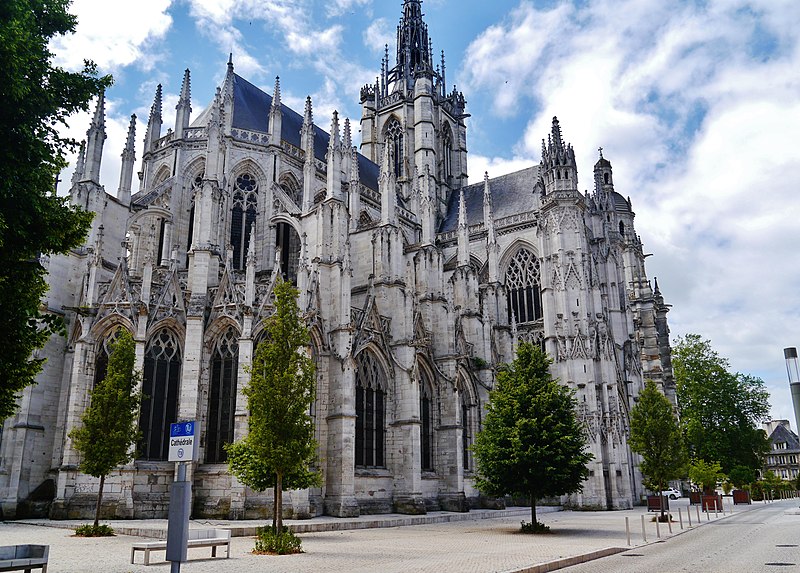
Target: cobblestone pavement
x,y
479,546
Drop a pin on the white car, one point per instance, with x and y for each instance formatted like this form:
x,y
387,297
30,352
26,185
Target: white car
x,y
671,493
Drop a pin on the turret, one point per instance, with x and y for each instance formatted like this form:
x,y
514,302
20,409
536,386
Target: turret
x,y
276,115
387,186
153,133
309,167
184,108
128,160
95,139
334,160
80,164
558,167
355,190
493,249
463,231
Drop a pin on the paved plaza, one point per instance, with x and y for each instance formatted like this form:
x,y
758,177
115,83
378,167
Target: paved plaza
x,y
484,542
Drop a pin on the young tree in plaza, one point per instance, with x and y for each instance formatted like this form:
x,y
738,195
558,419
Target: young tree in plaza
x,y
34,222
656,436
531,443
720,410
279,449
109,427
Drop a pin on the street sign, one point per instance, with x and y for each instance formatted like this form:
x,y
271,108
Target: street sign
x,y
183,441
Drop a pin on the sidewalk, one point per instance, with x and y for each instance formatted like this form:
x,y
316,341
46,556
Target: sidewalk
x,y
477,542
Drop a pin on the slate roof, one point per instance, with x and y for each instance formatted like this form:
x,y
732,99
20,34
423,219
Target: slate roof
x,y
251,108
783,434
511,194
620,203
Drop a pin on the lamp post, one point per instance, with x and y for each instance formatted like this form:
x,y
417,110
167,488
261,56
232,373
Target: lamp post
x,y
793,371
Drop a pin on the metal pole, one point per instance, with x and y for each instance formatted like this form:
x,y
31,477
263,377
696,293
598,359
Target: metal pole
x,y
680,517
644,531
669,522
658,528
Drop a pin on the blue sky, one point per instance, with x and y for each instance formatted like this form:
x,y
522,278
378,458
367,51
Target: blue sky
x,y
696,103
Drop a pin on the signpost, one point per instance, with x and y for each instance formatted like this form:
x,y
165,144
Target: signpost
x,y
184,438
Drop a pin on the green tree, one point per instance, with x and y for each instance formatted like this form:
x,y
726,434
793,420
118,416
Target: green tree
x,y
279,449
656,436
37,99
707,474
109,426
531,443
720,410
742,476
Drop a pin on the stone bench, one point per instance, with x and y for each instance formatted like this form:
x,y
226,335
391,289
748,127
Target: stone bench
x,y
24,557
212,538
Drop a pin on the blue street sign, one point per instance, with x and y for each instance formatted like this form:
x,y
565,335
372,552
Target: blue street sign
x,y
181,429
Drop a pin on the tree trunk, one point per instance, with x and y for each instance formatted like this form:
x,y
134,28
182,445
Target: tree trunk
x,y
279,503
99,502
533,511
274,506
661,500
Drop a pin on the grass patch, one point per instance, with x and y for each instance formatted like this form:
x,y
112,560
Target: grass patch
x,y
89,530
268,542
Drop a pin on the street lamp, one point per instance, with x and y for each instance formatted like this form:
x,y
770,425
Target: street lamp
x,y
792,370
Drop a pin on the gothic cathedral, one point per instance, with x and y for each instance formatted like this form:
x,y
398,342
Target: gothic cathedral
x,y
416,286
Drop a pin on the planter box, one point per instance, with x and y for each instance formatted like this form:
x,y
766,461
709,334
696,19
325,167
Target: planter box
x,y
654,503
694,498
741,496
711,502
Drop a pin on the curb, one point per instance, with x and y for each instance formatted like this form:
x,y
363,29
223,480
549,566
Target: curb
x,y
570,561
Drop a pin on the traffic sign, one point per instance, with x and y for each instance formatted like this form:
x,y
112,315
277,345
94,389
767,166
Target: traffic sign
x,y
183,441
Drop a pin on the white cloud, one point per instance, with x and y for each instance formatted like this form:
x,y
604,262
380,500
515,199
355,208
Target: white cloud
x,y
342,7
378,35
696,107
110,40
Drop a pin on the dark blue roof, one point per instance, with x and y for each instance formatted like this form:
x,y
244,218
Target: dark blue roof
x,y
251,112
511,194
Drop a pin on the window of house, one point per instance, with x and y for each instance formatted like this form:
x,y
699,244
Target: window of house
x,y
222,396
370,412
160,387
245,204
523,280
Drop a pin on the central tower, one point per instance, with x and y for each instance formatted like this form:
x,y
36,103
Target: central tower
x,y
409,109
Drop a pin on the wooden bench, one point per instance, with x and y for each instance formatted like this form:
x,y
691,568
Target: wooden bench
x,y
24,557
212,538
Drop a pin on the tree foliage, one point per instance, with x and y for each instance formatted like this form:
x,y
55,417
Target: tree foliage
x,y
741,476
37,99
707,474
109,426
279,449
531,443
720,410
656,436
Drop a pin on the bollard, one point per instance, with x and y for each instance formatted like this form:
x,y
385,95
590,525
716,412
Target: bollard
x,y
680,518
658,528
708,514
697,507
669,522
716,508
722,503
644,531
628,530
689,513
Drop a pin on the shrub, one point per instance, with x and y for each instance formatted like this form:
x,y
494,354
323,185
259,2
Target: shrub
x,y
91,530
272,543
537,527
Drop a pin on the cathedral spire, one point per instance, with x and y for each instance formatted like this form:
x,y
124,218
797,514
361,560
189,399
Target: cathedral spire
x,y
80,164
413,45
154,122
463,231
492,247
276,114
309,167
334,159
184,107
95,138
128,159
387,186
558,166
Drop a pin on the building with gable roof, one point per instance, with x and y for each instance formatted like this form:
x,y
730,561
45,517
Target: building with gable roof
x,y
415,284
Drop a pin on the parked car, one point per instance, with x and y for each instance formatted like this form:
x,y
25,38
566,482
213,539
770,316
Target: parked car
x,y
671,493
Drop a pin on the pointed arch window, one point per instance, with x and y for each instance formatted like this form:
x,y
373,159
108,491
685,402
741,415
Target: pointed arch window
x,y
426,415
523,287
287,243
243,217
467,425
394,137
197,184
222,396
101,356
370,412
160,387
447,152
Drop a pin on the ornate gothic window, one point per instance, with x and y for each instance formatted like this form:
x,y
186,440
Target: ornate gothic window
x,y
447,152
101,356
370,412
425,414
523,280
467,425
394,137
245,204
287,243
160,387
197,184
222,396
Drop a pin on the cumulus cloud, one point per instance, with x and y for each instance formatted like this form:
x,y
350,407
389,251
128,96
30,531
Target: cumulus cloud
x,y
696,107
110,40
379,34
342,7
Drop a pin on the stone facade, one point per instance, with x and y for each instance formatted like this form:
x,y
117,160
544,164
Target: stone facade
x,y
415,285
